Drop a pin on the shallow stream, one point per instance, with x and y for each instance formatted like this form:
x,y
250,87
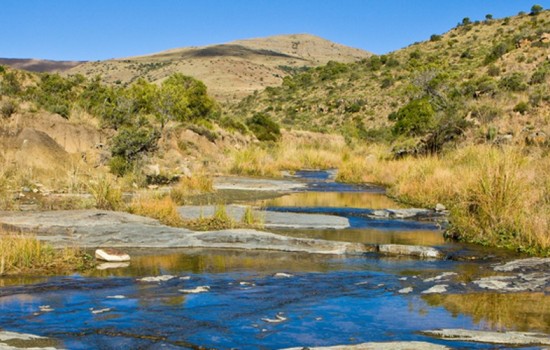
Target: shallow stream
x,y
270,300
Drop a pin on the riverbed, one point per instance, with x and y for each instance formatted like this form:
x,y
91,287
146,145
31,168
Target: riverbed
x,y
197,298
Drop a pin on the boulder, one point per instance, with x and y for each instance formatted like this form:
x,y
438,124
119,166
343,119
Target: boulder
x,y
111,255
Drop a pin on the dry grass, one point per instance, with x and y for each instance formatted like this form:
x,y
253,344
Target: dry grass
x,y
187,186
497,196
106,193
292,153
162,208
25,254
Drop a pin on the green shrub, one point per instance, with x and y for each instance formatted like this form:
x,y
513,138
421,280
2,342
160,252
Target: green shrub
x,y
120,166
536,9
8,108
415,118
513,82
498,51
435,37
522,107
263,127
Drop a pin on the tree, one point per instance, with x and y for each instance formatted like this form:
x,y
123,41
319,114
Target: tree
x,y
489,17
265,128
536,9
414,119
466,21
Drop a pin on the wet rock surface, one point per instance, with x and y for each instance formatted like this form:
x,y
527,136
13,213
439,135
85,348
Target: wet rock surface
x,y
96,228
14,341
270,219
507,338
397,345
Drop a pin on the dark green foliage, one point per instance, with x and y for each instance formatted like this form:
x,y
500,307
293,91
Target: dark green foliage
x,y
539,76
373,63
521,107
498,51
203,131
513,82
264,127
7,108
233,124
493,70
2,69
414,119
488,17
466,21
9,85
132,142
536,9
120,166
435,37
331,70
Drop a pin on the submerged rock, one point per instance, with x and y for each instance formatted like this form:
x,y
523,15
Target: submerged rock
x,y
536,281
111,255
196,290
410,250
521,264
394,345
162,278
508,338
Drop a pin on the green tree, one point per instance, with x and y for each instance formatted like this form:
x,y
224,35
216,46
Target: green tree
x,y
414,119
536,9
265,128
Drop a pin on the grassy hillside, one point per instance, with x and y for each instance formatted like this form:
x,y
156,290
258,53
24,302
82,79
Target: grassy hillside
x,y
39,66
231,71
490,77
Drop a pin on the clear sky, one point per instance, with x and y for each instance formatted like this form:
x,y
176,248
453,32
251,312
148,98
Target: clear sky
x,y
102,29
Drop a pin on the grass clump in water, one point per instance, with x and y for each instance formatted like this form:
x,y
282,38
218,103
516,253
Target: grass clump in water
x,y
23,254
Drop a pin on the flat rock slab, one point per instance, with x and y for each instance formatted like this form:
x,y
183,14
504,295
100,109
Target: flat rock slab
x,y
524,264
271,219
255,184
98,228
508,338
14,341
409,250
394,345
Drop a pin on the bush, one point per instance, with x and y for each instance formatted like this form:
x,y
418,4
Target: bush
x,y
435,37
8,108
521,107
498,51
120,166
513,82
263,127
415,118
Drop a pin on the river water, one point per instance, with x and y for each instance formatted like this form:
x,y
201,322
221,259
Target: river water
x,y
269,300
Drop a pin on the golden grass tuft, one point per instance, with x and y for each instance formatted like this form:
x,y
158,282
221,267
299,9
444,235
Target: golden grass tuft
x,y
497,196
162,208
192,185
23,253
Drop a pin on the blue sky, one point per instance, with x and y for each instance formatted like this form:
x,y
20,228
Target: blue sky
x,y
102,29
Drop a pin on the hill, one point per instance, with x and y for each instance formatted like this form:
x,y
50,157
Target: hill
x,y
231,71
39,66
489,79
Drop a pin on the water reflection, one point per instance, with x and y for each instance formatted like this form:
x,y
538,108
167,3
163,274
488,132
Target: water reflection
x,y
526,312
332,199
416,237
198,261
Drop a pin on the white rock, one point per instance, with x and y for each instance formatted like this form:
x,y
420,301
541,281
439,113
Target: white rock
x,y
111,255
162,278
100,311
199,289
278,319
116,297
440,277
405,290
45,308
439,288
282,275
